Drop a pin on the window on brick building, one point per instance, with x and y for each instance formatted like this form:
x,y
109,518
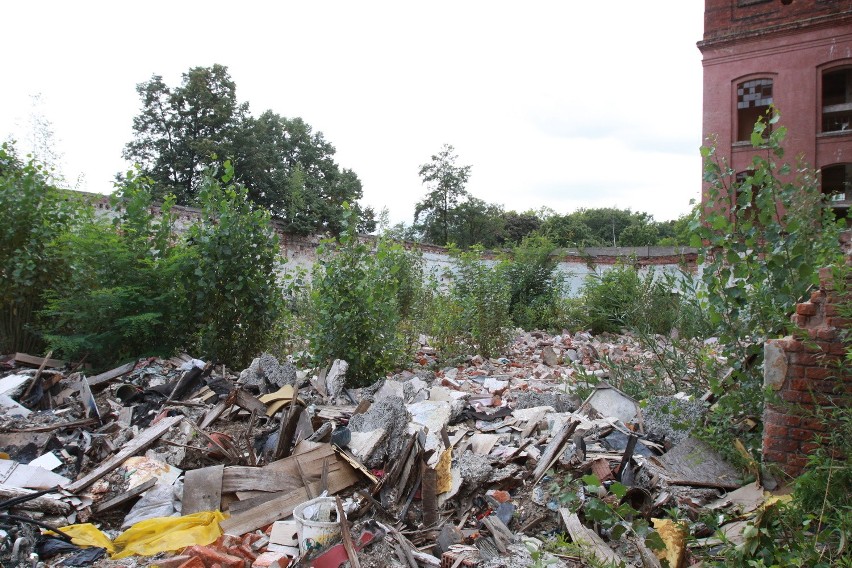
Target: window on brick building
x,y
740,202
753,100
837,100
837,185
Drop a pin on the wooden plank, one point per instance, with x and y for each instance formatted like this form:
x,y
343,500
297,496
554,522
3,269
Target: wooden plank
x,y
347,536
33,361
585,537
249,402
213,414
125,497
285,482
137,444
244,478
551,452
429,495
202,489
281,507
111,375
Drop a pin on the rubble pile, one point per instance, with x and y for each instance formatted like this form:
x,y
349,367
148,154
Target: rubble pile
x,y
182,463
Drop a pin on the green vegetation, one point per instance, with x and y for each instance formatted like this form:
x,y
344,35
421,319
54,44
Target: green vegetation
x,y
357,303
284,165
115,295
108,290
763,240
34,212
229,273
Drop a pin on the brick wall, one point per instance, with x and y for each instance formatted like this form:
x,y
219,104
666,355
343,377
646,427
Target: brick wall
x,y
806,371
732,19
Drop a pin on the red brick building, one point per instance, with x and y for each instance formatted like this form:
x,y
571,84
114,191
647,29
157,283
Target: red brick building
x,y
795,54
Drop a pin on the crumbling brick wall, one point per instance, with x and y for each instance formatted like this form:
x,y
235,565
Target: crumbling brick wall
x,y
807,373
730,20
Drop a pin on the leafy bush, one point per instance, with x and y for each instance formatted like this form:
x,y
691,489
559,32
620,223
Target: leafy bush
x,y
34,212
536,286
229,273
118,294
621,298
475,313
761,241
356,299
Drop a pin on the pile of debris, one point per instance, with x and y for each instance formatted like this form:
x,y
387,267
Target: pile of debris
x,y
180,463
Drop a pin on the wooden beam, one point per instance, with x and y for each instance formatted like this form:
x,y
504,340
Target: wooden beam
x,y
590,539
347,536
123,498
551,452
111,375
137,444
33,361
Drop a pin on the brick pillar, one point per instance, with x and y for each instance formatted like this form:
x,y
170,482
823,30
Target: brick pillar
x,y
807,372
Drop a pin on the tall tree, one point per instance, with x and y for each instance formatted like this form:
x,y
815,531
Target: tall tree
x,y
519,225
446,183
476,222
290,169
285,166
179,131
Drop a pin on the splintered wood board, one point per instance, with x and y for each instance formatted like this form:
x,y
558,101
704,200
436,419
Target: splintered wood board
x,y
137,444
202,489
282,506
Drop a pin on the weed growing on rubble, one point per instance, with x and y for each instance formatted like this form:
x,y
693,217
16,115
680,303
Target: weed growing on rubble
x,y
812,526
622,298
474,313
761,241
603,505
536,287
356,305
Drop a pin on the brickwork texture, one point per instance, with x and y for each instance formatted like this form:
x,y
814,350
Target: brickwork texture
x,y
807,372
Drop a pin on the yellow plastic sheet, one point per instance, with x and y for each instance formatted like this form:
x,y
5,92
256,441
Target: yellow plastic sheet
x,y
152,536
87,534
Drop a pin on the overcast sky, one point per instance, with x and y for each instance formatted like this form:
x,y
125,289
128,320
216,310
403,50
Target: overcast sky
x,y
559,104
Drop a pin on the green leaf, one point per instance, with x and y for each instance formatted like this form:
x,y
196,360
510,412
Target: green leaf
x,y
654,541
618,490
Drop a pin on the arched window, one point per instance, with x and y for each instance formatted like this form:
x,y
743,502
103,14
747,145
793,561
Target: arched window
x,y
753,100
837,100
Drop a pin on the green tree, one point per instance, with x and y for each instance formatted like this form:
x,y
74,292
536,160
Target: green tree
x,y
285,166
446,182
476,222
32,213
180,130
290,170
119,294
517,226
358,304
568,231
233,293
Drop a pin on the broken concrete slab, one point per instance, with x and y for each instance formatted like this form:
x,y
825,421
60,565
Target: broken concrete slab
x,y
609,401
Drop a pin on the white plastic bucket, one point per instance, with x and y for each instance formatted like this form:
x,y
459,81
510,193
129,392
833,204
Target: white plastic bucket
x,y
317,523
